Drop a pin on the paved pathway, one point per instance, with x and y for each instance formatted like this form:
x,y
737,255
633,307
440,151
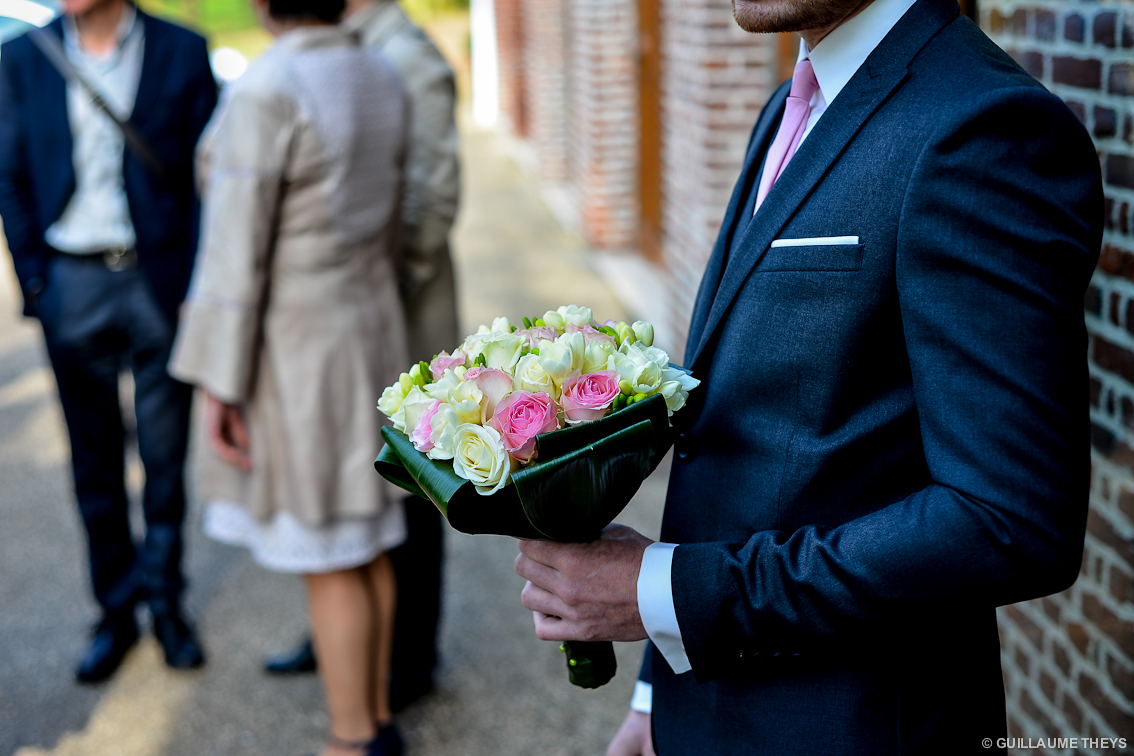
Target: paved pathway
x,y
502,691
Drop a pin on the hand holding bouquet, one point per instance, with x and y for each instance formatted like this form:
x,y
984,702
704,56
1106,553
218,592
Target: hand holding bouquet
x,y
544,432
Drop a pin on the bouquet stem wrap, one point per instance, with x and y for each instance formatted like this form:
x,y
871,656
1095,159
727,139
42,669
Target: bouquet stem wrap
x,y
582,478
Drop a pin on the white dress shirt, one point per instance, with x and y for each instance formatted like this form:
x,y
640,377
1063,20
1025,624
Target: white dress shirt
x,y
97,216
835,60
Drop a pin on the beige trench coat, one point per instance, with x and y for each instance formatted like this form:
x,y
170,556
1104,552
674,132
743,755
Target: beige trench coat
x,y
293,309
433,177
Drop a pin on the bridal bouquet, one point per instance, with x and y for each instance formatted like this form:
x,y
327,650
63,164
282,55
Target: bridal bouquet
x,y
545,431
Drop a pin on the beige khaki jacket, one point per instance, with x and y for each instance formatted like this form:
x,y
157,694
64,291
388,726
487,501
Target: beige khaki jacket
x,y
432,189
293,310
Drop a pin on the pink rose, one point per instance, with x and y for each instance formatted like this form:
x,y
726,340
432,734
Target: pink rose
x,y
521,417
446,361
420,434
588,397
493,384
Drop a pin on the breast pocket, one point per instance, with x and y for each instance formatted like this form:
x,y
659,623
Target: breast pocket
x,y
811,257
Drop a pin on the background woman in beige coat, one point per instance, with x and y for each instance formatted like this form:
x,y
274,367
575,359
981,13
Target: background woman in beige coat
x,y
293,327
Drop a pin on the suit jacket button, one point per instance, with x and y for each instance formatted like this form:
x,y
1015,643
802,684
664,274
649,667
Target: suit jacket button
x,y
683,447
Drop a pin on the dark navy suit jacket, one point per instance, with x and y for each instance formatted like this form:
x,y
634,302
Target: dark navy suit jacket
x,y
891,437
176,96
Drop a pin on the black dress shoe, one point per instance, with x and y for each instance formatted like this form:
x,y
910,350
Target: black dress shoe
x,y
388,742
298,661
178,642
113,637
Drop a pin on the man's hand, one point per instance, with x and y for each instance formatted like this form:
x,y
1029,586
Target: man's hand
x,y
633,737
227,432
585,591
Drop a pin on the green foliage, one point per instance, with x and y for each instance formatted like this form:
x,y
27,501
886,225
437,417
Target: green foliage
x,y
210,17
423,11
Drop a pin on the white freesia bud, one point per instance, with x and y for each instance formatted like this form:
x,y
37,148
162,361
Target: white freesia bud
x,y
406,381
597,354
391,399
442,432
576,316
675,388
411,409
448,381
558,358
641,366
644,332
502,351
555,320
626,334
479,457
530,376
465,398
502,325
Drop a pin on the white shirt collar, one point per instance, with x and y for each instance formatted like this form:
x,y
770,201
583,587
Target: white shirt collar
x,y
842,52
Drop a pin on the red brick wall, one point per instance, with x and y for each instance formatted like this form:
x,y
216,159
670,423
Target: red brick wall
x,y
1069,658
715,79
510,64
546,68
604,120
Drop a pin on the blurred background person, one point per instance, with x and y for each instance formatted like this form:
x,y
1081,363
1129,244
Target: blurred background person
x,y
293,327
102,228
430,198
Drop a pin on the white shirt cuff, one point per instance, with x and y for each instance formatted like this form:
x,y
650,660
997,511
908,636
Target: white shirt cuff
x,y
643,700
655,605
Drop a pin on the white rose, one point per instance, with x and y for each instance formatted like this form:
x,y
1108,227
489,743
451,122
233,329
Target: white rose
x,y
479,457
415,404
530,376
558,358
576,316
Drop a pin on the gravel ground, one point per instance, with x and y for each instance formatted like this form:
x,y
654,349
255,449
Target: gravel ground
x,y
501,690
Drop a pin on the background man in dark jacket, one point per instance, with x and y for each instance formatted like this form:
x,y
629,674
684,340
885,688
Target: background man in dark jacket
x,y
103,231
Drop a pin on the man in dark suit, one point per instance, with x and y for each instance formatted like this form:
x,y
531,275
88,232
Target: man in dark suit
x,y
891,435
103,231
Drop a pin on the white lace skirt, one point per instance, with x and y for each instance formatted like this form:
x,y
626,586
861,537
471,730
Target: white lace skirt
x,y
287,545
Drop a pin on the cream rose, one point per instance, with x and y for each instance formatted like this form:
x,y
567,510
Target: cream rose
x,y
530,376
479,457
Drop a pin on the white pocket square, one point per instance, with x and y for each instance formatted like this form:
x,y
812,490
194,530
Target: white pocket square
x,y
815,241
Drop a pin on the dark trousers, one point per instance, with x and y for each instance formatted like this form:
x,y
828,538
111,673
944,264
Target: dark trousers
x,y
417,566
97,323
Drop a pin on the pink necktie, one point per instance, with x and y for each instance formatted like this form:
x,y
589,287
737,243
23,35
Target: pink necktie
x,y
796,110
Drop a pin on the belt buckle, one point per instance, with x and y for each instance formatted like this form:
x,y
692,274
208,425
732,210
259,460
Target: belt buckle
x,y
120,259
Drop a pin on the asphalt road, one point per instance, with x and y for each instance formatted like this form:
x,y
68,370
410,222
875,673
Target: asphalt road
x,y
501,692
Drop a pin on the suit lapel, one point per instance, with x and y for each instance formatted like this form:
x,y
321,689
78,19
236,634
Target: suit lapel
x,y
710,280
156,63
51,90
871,85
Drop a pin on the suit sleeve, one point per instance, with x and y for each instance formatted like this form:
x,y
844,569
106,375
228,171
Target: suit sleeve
x,y
25,241
221,325
999,233
203,100
432,181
